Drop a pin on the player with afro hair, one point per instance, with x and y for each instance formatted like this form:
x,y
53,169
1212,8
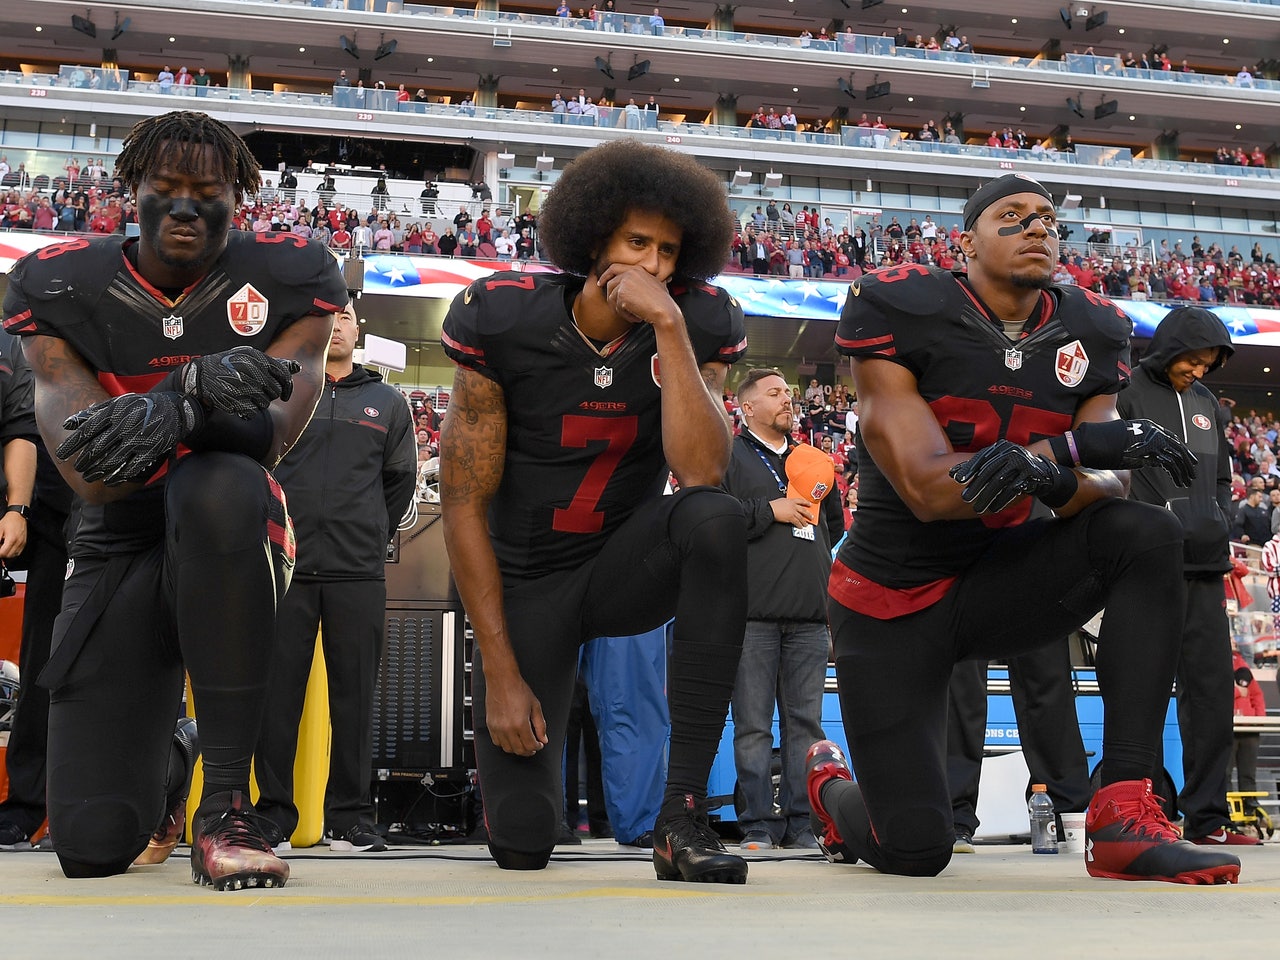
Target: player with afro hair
x,y
596,191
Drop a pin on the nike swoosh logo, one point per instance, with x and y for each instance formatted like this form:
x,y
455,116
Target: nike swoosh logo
x,y
1217,839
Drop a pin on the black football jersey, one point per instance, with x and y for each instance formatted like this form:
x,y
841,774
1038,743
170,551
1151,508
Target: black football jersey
x,y
981,386
584,432
86,291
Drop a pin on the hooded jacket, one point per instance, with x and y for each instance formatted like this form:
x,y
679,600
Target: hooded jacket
x,y
349,478
1193,416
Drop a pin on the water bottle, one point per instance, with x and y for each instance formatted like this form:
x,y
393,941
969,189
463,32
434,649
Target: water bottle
x,y
1040,809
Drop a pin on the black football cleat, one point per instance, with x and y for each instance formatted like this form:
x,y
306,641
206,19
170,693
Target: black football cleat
x,y
230,850
686,848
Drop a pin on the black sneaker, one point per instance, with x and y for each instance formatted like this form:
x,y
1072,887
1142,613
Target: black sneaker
x,y
963,843
686,848
360,838
13,837
642,842
273,833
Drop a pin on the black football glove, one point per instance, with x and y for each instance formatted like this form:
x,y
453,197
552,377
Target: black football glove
x,y
242,381
126,437
1126,445
997,475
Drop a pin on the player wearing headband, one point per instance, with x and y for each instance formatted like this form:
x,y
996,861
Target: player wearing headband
x,y
980,394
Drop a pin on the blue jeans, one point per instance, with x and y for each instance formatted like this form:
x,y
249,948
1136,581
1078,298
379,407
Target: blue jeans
x,y
786,661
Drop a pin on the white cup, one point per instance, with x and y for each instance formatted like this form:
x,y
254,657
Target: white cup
x,y
1072,832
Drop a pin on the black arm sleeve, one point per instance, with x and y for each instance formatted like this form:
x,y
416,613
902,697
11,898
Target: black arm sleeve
x,y
833,515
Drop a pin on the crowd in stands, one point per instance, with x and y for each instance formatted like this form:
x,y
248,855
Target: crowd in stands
x,y
1255,476
1204,275
84,199
773,239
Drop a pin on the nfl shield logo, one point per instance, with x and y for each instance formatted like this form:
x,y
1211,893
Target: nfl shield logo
x,y
604,377
1071,365
1013,359
172,326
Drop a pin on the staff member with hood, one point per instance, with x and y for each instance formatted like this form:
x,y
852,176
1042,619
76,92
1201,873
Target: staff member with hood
x,y
1190,343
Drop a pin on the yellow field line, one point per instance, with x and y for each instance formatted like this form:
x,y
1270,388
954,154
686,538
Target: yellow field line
x,y
675,892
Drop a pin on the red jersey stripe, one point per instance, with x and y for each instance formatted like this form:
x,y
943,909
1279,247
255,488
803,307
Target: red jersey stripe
x,y
19,322
461,347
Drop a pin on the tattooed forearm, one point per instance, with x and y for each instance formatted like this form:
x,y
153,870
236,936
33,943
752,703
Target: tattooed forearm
x,y
473,440
64,385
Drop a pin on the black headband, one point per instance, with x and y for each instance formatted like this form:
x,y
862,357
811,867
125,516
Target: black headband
x,y
1006,186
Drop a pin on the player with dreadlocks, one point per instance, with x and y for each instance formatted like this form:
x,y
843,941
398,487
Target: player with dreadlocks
x,y
172,371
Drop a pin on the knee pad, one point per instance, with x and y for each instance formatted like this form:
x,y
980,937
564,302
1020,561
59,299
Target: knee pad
x,y
1133,529
707,520
923,838
516,860
99,838
523,828
212,497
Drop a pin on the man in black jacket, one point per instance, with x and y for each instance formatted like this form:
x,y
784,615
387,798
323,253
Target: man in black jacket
x,y
1252,521
786,644
349,480
1189,343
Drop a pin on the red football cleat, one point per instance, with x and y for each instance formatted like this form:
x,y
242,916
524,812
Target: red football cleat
x,y
825,762
1128,837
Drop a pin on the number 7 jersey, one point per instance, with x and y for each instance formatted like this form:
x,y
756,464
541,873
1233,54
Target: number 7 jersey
x,y
584,431
981,387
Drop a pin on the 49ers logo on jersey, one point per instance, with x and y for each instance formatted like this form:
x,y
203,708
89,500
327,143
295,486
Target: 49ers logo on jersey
x,y
247,311
1072,364
1201,421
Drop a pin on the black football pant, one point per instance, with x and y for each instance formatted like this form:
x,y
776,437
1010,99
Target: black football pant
x,y
351,615
681,556
1206,691
46,556
1036,583
581,736
1048,730
205,597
